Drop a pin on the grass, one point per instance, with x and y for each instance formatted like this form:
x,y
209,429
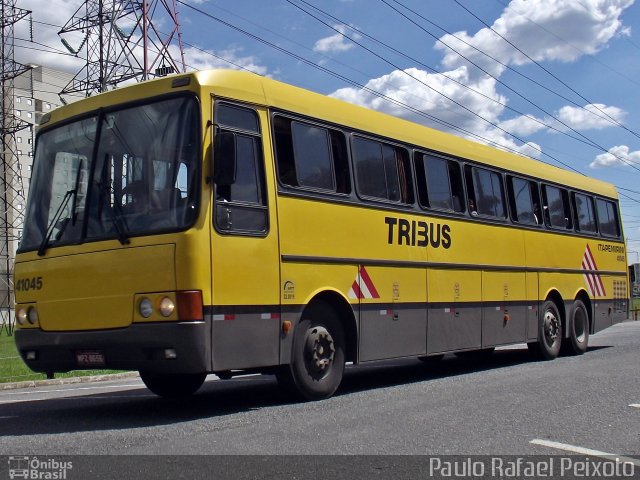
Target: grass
x,y
13,369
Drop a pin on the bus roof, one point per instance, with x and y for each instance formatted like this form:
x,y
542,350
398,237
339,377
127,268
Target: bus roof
x,y
252,88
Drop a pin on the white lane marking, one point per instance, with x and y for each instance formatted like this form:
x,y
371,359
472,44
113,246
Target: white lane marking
x,y
635,405
585,451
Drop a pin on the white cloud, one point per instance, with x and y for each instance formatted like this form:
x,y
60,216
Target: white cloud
x,y
202,60
337,42
431,93
592,116
523,125
587,25
617,156
545,30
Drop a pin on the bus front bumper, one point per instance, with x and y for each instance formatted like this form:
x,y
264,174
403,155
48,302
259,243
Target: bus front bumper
x,y
181,347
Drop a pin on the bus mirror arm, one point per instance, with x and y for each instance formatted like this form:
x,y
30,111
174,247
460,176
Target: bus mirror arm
x,y
224,165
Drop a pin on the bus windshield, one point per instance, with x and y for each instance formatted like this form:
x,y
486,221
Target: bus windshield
x,y
140,178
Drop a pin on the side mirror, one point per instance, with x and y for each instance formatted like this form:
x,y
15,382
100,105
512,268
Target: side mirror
x,y
224,158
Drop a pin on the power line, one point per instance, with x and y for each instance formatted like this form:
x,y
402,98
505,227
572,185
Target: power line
x,y
453,80
425,84
364,87
587,140
546,70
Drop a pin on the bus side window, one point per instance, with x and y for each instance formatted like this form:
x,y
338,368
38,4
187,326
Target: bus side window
x,y
310,156
240,196
608,218
382,171
486,192
585,213
524,201
439,183
557,209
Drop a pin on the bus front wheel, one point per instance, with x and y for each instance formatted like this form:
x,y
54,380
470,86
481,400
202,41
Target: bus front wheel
x,y
173,385
549,333
317,360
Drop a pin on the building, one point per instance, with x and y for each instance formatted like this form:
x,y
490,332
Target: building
x,y
35,93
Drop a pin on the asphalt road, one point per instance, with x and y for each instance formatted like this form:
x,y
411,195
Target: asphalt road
x,y
509,405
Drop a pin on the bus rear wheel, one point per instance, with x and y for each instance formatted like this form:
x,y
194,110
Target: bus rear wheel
x,y
578,327
549,333
317,360
173,385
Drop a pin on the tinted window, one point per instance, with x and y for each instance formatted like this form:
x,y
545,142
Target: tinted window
x,y
585,215
486,195
237,117
439,183
556,207
312,152
382,171
240,195
311,156
525,201
608,218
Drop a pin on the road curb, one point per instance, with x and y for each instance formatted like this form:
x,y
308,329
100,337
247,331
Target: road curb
x,y
67,381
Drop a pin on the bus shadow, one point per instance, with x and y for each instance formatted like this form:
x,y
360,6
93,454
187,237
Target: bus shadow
x,y
403,372
138,408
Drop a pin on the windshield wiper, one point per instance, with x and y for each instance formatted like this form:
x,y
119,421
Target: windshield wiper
x,y
56,218
54,221
115,214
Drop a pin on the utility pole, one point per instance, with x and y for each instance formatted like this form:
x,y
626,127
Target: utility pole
x,y
12,199
122,42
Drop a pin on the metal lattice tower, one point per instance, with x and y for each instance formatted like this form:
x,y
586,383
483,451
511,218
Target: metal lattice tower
x,y
12,198
123,43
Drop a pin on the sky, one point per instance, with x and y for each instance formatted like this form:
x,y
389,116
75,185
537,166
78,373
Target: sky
x,y
556,80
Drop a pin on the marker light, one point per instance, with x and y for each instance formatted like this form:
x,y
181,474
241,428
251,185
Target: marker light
x,y
190,305
32,315
145,308
166,307
21,316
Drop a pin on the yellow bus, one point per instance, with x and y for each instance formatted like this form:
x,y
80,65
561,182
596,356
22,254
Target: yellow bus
x,y
222,222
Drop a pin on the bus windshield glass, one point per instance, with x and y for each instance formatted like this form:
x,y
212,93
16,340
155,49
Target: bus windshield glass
x,y
141,178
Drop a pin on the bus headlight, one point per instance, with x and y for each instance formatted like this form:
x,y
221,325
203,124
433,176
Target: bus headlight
x,y
32,315
166,307
21,316
145,308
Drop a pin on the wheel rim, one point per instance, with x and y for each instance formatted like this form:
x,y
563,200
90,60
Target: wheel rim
x,y
319,352
551,327
580,325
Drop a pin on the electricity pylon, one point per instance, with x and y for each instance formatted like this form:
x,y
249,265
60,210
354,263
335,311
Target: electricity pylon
x,y
12,198
122,43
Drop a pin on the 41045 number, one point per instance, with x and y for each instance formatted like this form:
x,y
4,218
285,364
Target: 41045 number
x,y
26,284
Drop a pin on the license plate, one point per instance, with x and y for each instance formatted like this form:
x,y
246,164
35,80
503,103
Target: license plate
x,y
90,358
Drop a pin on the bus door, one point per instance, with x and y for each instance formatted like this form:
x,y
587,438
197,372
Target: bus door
x,y
244,245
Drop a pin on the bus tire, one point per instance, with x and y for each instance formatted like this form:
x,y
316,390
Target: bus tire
x,y
578,330
318,358
549,333
172,385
